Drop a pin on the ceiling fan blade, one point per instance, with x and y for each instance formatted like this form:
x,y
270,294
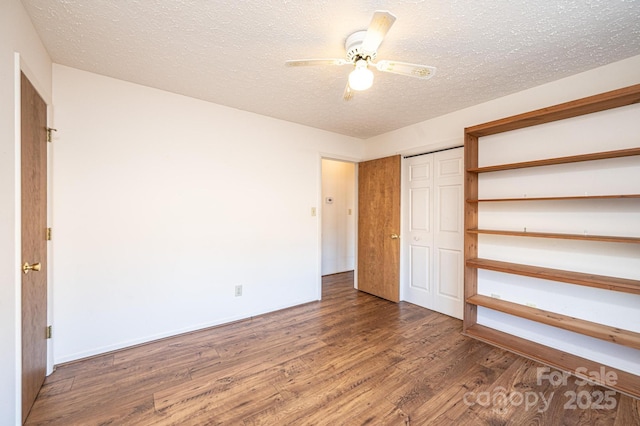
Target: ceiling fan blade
x,y
380,24
404,68
348,93
308,62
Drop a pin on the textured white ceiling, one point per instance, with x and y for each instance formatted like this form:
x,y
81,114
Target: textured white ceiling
x,y
232,52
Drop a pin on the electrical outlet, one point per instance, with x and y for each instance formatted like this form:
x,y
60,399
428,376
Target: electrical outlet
x,y
496,296
531,305
238,290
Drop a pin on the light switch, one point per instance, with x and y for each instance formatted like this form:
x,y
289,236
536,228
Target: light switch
x,y
313,211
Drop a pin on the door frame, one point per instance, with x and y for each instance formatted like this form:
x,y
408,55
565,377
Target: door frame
x,y
20,66
320,202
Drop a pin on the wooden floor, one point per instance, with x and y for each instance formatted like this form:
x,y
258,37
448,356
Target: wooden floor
x,y
351,359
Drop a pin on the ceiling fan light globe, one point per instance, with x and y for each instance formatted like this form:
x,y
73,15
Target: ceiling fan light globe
x,y
360,79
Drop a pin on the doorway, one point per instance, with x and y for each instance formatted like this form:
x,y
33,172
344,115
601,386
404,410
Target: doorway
x,y
338,216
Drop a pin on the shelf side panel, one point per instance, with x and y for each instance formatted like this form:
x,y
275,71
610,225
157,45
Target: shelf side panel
x,y
470,313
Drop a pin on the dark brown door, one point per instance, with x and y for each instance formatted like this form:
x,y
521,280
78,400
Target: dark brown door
x,y
379,227
34,243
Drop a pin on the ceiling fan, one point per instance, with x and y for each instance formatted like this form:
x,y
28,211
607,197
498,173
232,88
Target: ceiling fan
x,y
362,47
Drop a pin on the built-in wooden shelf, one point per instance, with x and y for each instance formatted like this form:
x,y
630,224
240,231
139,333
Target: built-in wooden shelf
x,y
554,319
559,160
587,237
576,197
626,383
580,278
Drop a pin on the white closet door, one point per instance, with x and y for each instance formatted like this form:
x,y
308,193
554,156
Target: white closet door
x,y
417,235
433,231
448,233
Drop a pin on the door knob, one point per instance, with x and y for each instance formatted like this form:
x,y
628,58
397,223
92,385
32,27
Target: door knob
x,y
395,236
33,267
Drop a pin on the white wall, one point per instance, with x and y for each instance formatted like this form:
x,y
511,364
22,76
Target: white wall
x,y
448,130
338,216
17,36
164,203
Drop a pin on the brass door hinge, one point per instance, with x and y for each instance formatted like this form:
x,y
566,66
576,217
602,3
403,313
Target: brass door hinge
x,y
48,234
49,332
49,130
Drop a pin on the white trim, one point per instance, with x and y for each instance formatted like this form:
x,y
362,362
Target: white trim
x,y
40,88
403,230
422,149
17,279
176,332
318,219
436,146
345,158
356,212
50,247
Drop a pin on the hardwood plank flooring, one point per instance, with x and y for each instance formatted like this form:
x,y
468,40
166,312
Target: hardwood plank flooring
x,y
351,359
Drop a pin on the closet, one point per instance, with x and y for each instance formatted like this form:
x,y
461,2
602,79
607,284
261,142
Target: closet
x,y
433,231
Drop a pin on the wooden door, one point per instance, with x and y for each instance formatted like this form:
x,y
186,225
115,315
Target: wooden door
x,y
34,243
379,227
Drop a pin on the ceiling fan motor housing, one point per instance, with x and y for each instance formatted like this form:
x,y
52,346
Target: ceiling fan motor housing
x,y
353,46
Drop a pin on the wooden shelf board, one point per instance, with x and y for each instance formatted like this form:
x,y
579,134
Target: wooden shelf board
x,y
577,197
627,383
588,280
558,160
602,238
554,319
603,101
